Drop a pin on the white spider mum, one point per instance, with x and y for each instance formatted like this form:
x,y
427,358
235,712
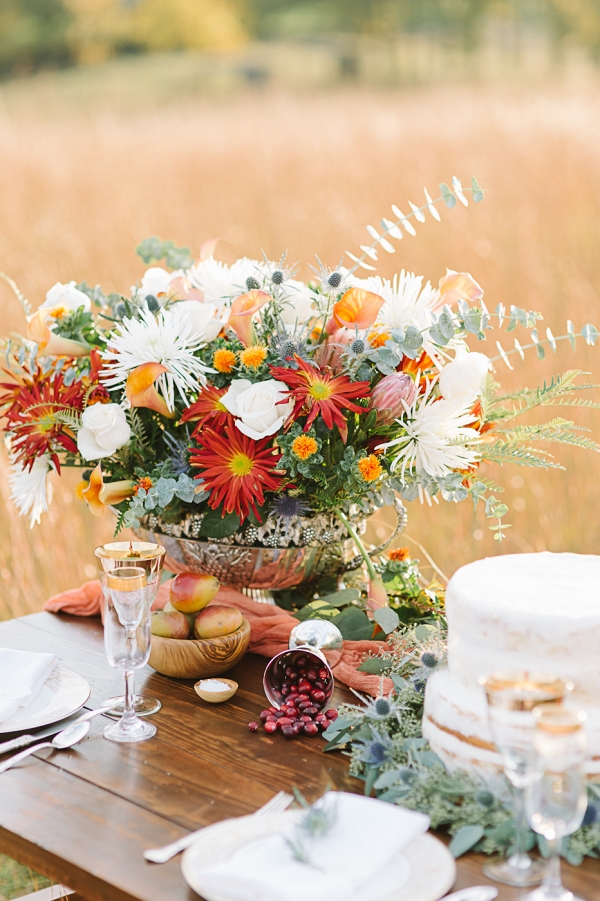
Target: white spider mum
x,y
406,300
167,338
434,438
31,491
221,283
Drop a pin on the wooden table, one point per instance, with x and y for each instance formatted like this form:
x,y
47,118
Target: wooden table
x,y
83,817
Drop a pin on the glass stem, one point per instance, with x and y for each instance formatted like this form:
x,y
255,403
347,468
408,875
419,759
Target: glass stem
x,y
129,709
552,880
519,858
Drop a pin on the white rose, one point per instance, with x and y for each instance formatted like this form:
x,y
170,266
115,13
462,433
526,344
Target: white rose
x,y
298,307
65,298
256,406
461,379
104,429
155,281
201,318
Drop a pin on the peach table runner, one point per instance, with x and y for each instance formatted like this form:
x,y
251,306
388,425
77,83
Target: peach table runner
x,y
270,629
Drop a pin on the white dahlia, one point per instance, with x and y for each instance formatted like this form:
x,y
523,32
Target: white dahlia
x,y
168,338
434,438
31,491
406,300
221,283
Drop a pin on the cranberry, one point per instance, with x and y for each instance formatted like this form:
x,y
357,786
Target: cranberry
x,y
331,714
301,660
279,714
303,705
311,675
303,697
318,684
271,719
253,727
293,696
272,709
264,714
285,690
298,727
306,719
270,727
289,732
323,675
284,721
311,729
289,670
317,695
311,711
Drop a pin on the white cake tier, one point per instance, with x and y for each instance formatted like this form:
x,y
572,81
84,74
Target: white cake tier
x,y
455,724
536,612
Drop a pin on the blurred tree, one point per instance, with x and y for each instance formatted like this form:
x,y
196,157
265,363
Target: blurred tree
x,y
33,35
579,19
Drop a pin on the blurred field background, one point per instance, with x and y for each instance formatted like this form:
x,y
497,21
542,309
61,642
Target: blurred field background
x,y
279,133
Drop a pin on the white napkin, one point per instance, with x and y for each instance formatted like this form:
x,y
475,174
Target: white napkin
x,y
366,836
22,675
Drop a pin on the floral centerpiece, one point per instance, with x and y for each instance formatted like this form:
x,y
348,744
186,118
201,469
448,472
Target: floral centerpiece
x,y
216,398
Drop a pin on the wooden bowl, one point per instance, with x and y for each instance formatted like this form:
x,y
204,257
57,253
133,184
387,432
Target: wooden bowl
x,y
199,659
216,697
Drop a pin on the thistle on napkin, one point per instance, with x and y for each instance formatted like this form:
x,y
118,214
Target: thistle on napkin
x,y
363,837
22,676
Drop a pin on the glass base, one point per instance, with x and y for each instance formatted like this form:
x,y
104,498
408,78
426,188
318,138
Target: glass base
x,y
543,893
519,870
136,730
143,706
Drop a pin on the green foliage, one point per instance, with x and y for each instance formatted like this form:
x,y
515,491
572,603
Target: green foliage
x,y
215,525
152,250
34,35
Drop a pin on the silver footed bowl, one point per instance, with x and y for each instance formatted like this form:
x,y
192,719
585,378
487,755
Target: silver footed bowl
x,y
273,556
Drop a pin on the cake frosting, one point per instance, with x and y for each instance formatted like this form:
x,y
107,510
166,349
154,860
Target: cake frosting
x,y
535,612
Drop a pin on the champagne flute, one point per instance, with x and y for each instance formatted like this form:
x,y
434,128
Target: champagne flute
x,y
149,557
511,698
556,798
127,644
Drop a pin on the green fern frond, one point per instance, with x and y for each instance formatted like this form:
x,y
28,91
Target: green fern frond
x,y
558,430
549,393
137,427
489,389
522,456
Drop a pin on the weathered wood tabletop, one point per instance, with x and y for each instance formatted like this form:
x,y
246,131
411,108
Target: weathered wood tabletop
x,y
83,817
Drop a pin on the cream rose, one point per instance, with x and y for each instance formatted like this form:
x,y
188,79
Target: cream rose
x,y
155,281
104,429
256,408
201,317
67,298
461,379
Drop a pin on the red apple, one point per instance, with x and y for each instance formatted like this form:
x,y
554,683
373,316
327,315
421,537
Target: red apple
x,y
191,592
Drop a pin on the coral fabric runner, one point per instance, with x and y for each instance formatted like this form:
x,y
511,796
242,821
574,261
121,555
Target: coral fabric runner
x,y
270,629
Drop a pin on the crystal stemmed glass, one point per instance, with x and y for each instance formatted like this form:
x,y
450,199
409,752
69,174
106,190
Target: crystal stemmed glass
x,y
127,643
511,698
149,557
556,798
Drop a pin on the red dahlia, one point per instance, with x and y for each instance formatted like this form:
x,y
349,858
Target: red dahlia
x,y
235,469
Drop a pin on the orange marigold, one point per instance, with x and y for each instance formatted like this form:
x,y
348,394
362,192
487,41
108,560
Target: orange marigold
x,y
252,357
370,468
224,360
145,482
379,339
304,447
399,553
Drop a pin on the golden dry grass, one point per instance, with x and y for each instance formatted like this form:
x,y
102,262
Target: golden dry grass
x,y
79,188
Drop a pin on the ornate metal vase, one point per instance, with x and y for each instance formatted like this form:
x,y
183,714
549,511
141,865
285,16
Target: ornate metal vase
x,y
276,555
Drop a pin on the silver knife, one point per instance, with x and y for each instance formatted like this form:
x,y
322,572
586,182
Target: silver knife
x,y
22,741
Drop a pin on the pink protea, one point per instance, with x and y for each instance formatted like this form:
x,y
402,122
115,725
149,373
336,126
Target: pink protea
x,y
388,394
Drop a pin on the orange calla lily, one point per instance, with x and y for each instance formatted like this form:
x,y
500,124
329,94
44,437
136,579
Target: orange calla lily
x,y
458,286
140,389
357,308
180,289
49,343
100,495
243,309
207,249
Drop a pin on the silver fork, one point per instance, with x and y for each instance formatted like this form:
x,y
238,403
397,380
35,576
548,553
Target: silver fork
x,y
278,803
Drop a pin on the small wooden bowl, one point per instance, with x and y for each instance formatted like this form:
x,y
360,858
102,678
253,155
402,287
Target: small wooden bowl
x,y
199,659
216,697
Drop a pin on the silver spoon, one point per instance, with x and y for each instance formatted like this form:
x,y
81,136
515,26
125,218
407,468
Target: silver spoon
x,y
65,739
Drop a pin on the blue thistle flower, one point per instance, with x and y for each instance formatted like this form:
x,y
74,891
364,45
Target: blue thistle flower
x,y
178,453
287,507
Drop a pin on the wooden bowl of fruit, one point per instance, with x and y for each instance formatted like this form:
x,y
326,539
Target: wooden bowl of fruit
x,y
191,640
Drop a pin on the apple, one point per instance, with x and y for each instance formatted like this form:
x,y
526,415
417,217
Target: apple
x,y
191,592
216,621
167,624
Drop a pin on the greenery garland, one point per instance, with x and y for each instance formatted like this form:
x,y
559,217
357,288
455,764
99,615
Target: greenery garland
x,y
384,740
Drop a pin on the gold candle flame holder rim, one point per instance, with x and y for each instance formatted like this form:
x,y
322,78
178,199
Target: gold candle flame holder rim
x,y
130,550
559,720
524,691
127,578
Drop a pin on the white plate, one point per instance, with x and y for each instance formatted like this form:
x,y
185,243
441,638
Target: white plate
x,y
424,871
63,693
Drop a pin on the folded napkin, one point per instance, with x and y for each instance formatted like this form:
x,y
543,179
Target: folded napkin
x,y
270,629
22,675
366,837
